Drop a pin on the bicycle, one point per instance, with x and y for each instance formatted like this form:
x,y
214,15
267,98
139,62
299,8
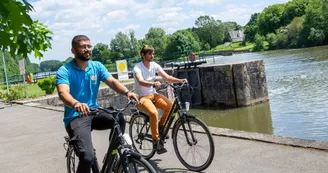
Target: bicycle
x,y
188,132
120,156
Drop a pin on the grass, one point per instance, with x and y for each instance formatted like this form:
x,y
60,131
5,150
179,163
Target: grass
x,y
34,91
233,46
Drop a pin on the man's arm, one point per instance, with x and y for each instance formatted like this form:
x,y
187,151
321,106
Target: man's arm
x,y
169,78
67,98
120,88
142,81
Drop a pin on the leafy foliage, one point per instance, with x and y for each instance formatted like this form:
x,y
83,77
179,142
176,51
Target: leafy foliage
x,y
47,84
181,43
19,34
16,92
50,65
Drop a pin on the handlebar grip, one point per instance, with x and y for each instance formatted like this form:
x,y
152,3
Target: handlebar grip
x,y
134,102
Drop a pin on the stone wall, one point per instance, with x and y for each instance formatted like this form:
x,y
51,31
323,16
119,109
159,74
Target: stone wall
x,y
234,85
250,83
217,85
222,85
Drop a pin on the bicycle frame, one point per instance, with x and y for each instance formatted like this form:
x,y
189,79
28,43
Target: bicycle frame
x,y
175,109
116,148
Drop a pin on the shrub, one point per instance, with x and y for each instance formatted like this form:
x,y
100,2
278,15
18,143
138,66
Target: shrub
x,y
259,42
47,84
16,92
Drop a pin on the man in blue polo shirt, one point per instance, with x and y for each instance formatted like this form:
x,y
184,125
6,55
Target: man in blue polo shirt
x,y
77,84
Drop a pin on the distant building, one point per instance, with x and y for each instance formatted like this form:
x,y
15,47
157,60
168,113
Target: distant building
x,y
237,35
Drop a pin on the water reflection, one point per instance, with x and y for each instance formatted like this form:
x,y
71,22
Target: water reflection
x,y
252,119
297,86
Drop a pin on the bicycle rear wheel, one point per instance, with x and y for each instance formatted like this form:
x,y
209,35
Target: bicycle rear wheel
x,y
136,164
141,136
72,160
193,146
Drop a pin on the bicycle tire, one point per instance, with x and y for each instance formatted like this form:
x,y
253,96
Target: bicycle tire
x,y
70,160
132,160
203,126
141,140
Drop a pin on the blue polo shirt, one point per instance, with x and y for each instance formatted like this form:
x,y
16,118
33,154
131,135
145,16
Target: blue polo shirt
x,y
83,84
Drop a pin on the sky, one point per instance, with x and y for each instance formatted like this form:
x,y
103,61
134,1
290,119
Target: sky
x,y
101,20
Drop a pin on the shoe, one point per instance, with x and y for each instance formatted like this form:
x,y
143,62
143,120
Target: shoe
x,y
159,127
159,147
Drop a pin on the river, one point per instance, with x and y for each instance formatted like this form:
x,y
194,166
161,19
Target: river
x,y
297,85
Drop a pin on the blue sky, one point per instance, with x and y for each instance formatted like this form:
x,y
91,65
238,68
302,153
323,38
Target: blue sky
x,y
100,20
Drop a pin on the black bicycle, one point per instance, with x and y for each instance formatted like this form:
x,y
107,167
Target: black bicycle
x,y
192,140
120,156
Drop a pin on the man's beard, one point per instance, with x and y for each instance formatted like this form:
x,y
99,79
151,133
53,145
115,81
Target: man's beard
x,y
82,57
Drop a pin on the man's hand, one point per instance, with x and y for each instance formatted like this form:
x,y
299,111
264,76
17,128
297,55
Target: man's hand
x,y
183,80
157,84
134,96
82,109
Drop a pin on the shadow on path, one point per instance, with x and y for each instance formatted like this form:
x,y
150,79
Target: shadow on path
x,y
155,162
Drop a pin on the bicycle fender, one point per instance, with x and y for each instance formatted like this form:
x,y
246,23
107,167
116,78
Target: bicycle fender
x,y
128,153
141,113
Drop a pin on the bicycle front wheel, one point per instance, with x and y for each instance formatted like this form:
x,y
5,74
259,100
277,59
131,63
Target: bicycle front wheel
x,y
193,144
72,160
139,131
136,164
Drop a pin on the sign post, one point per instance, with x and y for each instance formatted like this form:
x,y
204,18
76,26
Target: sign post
x,y
4,69
22,72
122,70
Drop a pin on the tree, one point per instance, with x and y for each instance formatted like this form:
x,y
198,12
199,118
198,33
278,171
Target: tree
x,y
19,34
124,46
294,30
270,19
68,60
316,36
251,28
209,30
158,39
316,17
101,52
50,65
180,43
259,42
294,8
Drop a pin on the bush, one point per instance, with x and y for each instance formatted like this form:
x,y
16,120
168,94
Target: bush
x,y
272,40
16,92
259,42
47,84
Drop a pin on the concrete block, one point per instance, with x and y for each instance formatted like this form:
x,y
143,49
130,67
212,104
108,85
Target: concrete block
x,y
217,85
250,82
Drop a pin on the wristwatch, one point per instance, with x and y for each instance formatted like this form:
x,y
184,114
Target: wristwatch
x,y
126,93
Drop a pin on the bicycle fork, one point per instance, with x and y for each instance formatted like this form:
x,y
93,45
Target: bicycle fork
x,y
185,121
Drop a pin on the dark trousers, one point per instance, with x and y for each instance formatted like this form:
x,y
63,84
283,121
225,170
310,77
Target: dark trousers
x,y
80,129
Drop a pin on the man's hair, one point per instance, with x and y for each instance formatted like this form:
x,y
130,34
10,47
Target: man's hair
x,y
146,49
77,38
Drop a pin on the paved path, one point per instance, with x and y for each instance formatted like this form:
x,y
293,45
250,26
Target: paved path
x,y
31,142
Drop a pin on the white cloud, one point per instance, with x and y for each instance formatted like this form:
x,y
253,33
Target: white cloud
x,y
100,20
204,2
124,29
239,13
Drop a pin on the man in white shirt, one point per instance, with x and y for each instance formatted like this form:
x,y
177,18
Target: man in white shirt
x,y
145,86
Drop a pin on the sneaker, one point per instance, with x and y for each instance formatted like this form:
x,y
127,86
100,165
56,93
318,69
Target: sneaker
x,y
159,127
159,147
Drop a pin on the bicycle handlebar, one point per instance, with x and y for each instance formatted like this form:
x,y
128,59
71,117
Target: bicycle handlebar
x,y
114,110
176,86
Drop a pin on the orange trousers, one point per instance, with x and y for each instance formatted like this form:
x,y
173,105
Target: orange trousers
x,y
148,104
